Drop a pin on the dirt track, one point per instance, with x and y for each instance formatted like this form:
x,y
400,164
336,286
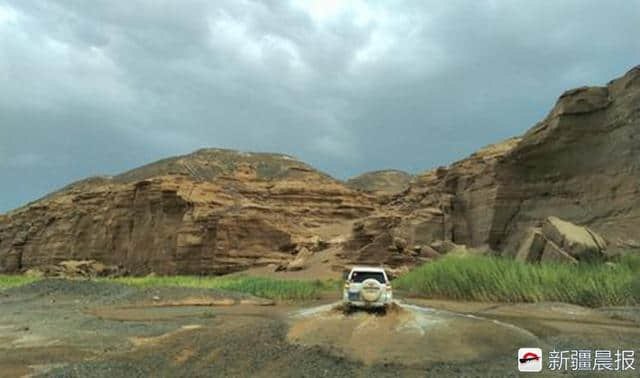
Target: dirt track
x,y
77,328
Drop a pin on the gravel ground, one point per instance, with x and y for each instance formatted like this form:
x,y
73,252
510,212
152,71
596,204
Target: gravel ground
x,y
58,328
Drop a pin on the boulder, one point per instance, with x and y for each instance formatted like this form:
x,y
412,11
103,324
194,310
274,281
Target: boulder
x,y
429,253
532,246
553,253
560,241
301,260
443,246
579,242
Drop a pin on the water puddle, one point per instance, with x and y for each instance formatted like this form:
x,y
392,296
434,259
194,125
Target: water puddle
x,y
406,334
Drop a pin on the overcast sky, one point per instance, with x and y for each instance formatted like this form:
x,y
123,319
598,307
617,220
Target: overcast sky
x,y
99,87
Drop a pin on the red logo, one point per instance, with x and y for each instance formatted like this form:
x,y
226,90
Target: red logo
x,y
528,357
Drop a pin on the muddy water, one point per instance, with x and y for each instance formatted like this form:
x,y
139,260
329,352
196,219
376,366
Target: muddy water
x,y
406,334
76,329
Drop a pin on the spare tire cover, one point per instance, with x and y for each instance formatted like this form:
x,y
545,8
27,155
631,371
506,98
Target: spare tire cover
x,y
371,290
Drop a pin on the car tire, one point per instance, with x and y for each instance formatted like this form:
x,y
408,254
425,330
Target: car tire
x,y
371,290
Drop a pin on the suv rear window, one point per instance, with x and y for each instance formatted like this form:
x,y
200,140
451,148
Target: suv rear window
x,y
359,277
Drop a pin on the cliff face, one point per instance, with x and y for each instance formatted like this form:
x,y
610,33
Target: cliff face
x,y
213,211
465,193
581,163
219,211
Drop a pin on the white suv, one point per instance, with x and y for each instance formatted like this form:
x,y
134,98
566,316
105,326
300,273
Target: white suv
x,y
367,287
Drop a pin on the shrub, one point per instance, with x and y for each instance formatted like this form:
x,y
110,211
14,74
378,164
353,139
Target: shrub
x,y
487,278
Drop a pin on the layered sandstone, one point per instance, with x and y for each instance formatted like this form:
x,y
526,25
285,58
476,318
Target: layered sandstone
x,y
580,163
454,204
211,212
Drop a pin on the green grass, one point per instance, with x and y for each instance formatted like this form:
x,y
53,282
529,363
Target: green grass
x,y
261,287
15,280
285,290
495,279
474,278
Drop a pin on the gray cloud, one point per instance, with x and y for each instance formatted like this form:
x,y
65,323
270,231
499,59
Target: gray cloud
x,y
99,87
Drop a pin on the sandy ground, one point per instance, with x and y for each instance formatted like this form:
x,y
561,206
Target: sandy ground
x,y
58,328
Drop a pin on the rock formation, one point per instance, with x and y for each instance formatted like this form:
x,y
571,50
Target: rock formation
x,y
210,212
560,241
218,211
386,182
580,164
77,268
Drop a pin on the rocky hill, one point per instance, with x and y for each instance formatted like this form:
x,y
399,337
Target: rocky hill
x,y
383,182
218,211
210,212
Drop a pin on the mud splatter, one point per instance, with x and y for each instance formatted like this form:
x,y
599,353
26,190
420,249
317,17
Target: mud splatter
x,y
405,334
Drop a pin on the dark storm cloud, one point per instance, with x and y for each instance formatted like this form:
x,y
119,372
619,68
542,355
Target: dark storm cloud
x,y
97,87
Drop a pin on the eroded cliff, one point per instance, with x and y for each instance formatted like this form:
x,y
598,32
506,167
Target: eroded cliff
x,y
210,212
